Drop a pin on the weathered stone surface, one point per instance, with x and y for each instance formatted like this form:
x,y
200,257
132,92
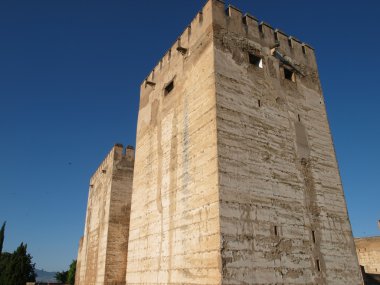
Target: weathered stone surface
x,y
236,179
368,250
174,234
283,216
102,255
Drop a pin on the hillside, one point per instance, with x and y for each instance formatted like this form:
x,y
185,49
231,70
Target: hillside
x,y
44,276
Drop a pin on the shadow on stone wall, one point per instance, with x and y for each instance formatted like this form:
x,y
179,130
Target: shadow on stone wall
x,y
369,278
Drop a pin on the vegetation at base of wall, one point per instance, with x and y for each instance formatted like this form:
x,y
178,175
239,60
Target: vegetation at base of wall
x,y
67,277
16,268
61,276
2,230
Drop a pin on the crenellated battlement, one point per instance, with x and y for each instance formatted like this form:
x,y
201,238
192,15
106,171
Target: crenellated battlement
x,y
217,14
248,22
116,153
183,42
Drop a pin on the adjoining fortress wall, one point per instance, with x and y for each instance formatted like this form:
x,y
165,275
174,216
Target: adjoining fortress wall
x,y
102,254
368,250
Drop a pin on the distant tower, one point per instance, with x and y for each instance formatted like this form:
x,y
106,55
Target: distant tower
x,y
236,179
102,255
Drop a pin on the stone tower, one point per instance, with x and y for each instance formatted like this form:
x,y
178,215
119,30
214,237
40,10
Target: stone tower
x,y
236,179
102,254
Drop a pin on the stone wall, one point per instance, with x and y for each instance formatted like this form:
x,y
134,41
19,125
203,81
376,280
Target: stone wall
x,y
174,236
282,209
368,250
102,254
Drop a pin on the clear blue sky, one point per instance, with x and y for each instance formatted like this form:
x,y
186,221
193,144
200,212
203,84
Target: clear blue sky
x,y
69,87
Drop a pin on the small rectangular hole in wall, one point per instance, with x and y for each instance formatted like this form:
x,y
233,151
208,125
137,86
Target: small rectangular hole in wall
x,y
289,74
255,60
290,42
317,262
276,231
200,17
261,29
169,87
299,118
303,49
259,103
313,236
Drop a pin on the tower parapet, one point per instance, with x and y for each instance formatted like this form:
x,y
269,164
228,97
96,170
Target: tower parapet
x,y
232,18
117,152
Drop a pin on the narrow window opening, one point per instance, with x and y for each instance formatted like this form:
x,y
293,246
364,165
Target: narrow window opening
x,y
244,19
169,87
318,264
290,42
255,60
261,29
276,231
313,236
276,35
289,75
259,103
303,50
299,120
200,17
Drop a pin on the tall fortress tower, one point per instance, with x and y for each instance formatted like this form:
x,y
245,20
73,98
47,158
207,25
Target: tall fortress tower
x,y
235,177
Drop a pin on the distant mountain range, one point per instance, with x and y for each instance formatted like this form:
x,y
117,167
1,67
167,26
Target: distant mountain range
x,y
44,276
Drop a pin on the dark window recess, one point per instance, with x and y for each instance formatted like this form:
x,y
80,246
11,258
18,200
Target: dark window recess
x,y
290,42
275,231
259,103
169,88
261,29
303,49
289,75
318,264
299,118
255,60
313,236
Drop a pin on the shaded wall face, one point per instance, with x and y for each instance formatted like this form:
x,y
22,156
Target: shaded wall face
x,y
282,210
368,250
174,231
118,223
